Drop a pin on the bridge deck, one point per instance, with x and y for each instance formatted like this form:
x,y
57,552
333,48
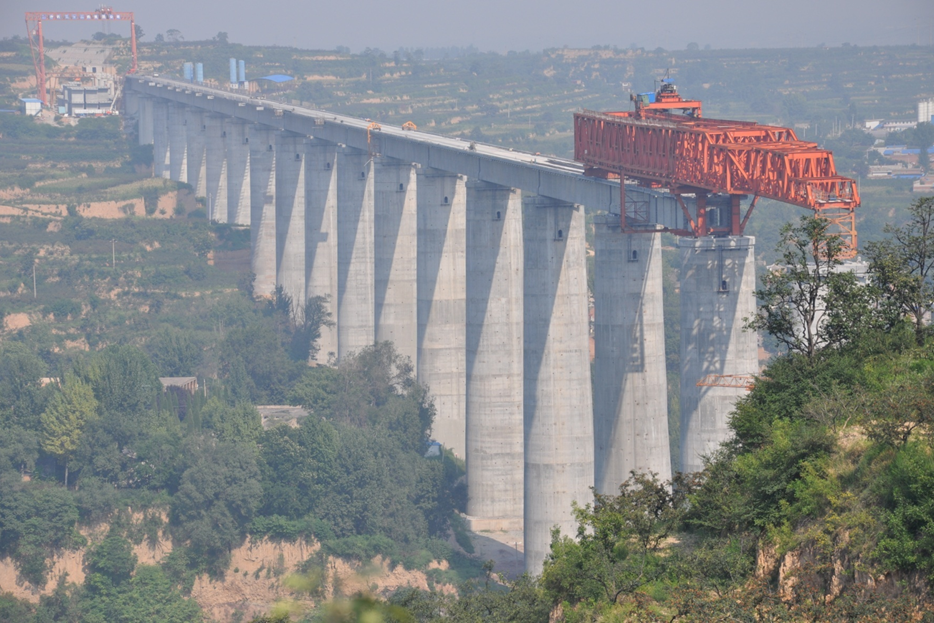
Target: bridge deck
x,y
549,176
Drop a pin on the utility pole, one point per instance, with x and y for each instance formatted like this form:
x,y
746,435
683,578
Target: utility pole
x,y
113,253
34,294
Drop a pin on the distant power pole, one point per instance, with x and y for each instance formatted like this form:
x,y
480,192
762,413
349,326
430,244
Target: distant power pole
x,y
34,294
113,253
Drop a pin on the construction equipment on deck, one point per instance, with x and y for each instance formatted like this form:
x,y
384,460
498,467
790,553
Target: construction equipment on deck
x,y
665,142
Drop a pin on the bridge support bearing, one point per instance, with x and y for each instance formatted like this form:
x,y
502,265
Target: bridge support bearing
x,y
262,171
718,282
396,246
559,467
290,216
160,139
630,388
144,120
195,131
215,167
355,288
178,143
237,144
442,275
494,434
321,235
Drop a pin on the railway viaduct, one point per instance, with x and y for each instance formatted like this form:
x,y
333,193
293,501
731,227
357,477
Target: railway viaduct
x,y
472,259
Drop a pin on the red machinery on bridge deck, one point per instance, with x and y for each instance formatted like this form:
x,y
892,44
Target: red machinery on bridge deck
x,y
666,142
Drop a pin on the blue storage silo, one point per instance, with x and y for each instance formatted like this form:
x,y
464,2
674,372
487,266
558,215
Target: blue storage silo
x,y
241,67
189,71
199,73
233,71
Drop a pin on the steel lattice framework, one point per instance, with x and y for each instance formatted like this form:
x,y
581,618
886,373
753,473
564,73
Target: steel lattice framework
x,y
692,155
34,21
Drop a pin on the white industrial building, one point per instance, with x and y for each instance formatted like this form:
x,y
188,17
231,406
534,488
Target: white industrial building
x,y
78,100
926,111
30,106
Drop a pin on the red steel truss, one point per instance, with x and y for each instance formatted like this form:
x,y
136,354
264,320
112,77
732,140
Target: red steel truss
x,y
34,21
692,155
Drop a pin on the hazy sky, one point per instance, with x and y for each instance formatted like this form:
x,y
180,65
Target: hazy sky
x,y
503,25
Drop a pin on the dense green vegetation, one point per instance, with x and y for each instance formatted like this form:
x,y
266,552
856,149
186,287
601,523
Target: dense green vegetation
x,y
102,437
351,475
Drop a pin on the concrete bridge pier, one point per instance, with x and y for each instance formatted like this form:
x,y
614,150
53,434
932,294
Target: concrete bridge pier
x,y
290,217
178,143
195,130
215,167
494,357
630,388
321,235
395,221
442,290
237,144
160,139
130,105
718,283
355,249
262,169
144,120
559,454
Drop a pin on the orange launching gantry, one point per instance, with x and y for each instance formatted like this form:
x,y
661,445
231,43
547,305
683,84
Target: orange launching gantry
x,y
34,21
666,142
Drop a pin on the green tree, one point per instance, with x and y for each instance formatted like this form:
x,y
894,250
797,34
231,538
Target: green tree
x,y
175,353
617,547
22,397
35,521
256,365
148,596
307,330
19,449
520,601
792,306
112,558
65,419
902,265
297,465
238,423
124,379
923,138
376,388
217,498
13,609
62,606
